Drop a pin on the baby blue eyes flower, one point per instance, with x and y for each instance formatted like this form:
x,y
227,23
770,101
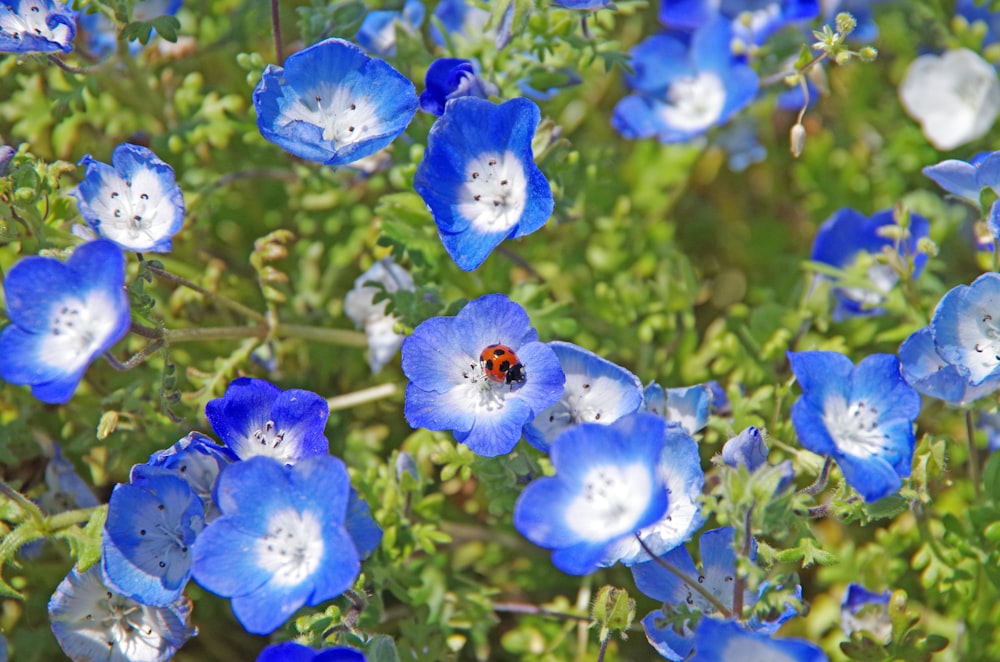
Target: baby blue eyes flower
x,y
682,89
281,541
36,26
753,21
451,78
726,641
860,416
360,306
479,178
63,316
596,391
333,104
746,448
925,370
967,180
607,487
686,406
255,417
863,610
377,33
289,651
847,235
92,622
146,550
452,388
582,5
966,329
134,202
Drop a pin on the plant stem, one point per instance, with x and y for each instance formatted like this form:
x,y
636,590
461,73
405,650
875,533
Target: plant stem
x,y
821,480
604,647
970,432
348,400
279,53
524,608
214,333
701,590
225,301
740,580
25,503
137,358
82,71
342,337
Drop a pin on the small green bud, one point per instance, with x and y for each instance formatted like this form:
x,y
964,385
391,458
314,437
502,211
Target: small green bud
x,y
845,23
613,609
868,53
797,139
992,532
893,232
927,246
107,424
842,58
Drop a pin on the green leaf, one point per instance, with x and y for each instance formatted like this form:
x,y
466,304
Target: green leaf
x,y
991,478
167,26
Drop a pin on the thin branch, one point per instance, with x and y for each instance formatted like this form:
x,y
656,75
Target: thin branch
x,y
341,337
348,400
821,480
145,331
81,71
279,52
136,359
525,608
214,333
235,306
740,580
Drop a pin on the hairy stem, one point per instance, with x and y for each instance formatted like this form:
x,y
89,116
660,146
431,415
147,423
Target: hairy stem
x,y
693,583
970,432
136,359
740,582
821,479
225,301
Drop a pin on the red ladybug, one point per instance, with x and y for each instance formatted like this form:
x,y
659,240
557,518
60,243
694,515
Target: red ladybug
x,y
501,364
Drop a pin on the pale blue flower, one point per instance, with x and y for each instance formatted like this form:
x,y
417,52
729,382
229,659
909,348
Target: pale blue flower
x,y
377,33
36,26
380,328
726,641
966,329
862,610
925,370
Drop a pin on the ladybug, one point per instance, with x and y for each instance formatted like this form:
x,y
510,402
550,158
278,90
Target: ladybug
x,y
501,364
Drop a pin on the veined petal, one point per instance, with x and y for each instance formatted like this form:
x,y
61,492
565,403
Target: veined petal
x,y
966,334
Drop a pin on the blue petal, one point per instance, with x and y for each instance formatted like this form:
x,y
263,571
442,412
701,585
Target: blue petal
x,y
33,287
965,330
687,14
22,360
821,375
988,174
534,513
497,431
843,235
811,429
956,177
689,406
667,642
659,583
363,530
244,409
873,477
493,319
657,61
302,416
927,372
726,641
433,358
579,559
450,410
878,382
747,449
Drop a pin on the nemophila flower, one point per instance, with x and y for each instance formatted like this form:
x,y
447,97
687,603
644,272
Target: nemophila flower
x,y
582,5
289,651
63,316
93,622
925,370
36,26
459,18
687,406
64,490
196,459
255,417
134,202
377,33
380,328
7,154
717,576
967,179
954,96
332,103
281,542
740,141
966,329
748,449
753,20
607,486
479,178
360,525
991,423
680,468
682,87
848,235
726,641
596,391
452,387
450,78
861,416
151,526
862,610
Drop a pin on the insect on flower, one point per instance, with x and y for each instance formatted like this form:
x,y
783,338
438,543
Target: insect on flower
x,y
501,364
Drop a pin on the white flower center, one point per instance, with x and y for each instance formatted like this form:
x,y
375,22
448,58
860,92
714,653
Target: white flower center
x,y
882,277
494,194
136,213
34,21
292,548
77,329
695,102
854,427
344,117
484,393
611,501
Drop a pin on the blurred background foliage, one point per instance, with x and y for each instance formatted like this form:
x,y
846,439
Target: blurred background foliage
x,y
658,257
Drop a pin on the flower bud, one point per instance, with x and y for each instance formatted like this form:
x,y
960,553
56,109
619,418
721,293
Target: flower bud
x,y
797,139
846,23
868,53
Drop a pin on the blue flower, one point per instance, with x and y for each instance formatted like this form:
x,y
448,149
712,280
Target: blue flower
x,y
134,203
36,26
377,33
740,140
863,610
726,641
281,542
967,179
64,490
753,21
332,103
607,486
151,526
359,304
966,329
684,88
360,525
459,18
289,651
479,178
679,466
197,460
860,416
92,622
687,406
748,449
718,576
582,5
450,78
63,316
255,417
450,388
925,370
848,234
7,154
596,391
973,11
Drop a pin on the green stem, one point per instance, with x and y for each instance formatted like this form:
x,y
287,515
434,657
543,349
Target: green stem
x,y
740,579
214,333
970,432
71,518
341,337
604,647
25,503
348,400
693,583
524,608
222,300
